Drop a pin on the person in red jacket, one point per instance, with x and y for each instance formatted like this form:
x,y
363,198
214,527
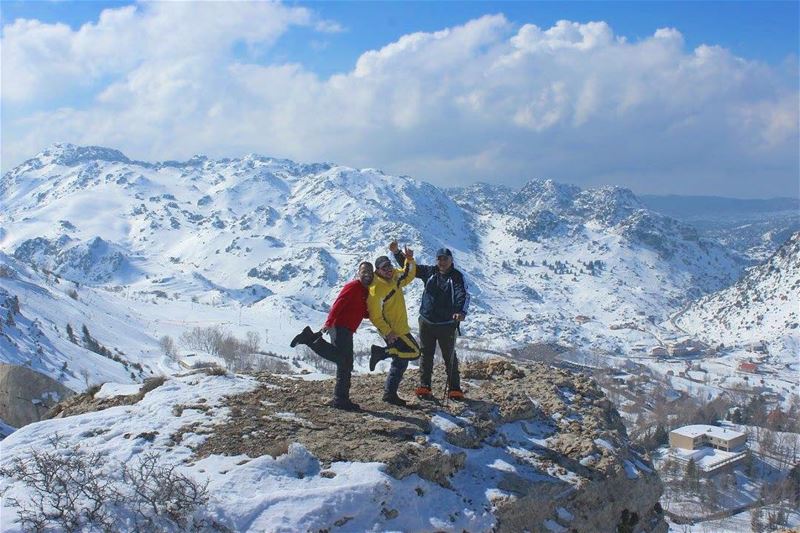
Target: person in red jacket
x,y
346,314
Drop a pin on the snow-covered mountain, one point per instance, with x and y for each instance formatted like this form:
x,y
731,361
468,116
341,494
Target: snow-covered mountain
x,y
752,228
263,244
763,306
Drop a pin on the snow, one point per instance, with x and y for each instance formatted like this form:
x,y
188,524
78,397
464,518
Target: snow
x,y
738,523
285,493
712,431
706,458
117,389
6,429
630,470
262,245
605,444
564,515
291,492
231,242
555,527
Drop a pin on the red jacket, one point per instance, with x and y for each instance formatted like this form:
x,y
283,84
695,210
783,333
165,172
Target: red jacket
x,y
350,307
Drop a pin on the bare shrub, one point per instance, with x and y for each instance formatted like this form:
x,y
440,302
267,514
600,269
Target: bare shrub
x,y
167,345
7,272
323,365
239,355
151,384
271,364
86,375
68,489
360,359
162,496
252,341
74,490
205,339
214,370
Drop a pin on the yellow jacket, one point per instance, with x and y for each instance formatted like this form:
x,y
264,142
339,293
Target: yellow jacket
x,y
386,303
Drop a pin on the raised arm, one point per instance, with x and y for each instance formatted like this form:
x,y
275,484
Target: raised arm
x,y
407,273
422,272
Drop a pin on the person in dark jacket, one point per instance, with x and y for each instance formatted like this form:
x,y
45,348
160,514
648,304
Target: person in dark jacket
x,y
346,314
444,306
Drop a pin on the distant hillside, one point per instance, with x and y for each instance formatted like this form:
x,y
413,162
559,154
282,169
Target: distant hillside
x,y
762,306
703,206
752,228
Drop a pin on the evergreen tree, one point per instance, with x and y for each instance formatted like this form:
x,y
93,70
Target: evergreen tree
x,y
88,342
691,477
71,334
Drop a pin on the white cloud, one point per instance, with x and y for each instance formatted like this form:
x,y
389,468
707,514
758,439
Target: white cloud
x,y
46,60
574,102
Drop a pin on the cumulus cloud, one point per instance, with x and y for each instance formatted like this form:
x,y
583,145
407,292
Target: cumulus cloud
x,y
487,100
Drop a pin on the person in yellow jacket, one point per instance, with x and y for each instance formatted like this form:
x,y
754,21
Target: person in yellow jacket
x,y
387,311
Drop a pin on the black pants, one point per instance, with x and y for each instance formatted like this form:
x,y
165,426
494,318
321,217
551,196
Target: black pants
x,y
339,351
445,335
403,350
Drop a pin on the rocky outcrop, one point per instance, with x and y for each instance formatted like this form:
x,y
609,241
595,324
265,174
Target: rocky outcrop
x,y
86,402
566,459
534,448
26,395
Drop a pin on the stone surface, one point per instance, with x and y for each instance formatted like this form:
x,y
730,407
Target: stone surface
x,y
26,395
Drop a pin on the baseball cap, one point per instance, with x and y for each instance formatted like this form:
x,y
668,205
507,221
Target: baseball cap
x,y
382,260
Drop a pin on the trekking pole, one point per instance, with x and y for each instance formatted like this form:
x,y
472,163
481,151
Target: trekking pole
x,y
445,399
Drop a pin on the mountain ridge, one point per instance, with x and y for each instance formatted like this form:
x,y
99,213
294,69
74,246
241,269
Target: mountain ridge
x,y
273,240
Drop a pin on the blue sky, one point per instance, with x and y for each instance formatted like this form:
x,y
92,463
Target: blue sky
x,y
764,30
504,95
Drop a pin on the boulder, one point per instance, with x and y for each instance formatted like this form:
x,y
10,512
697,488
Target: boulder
x,y
26,395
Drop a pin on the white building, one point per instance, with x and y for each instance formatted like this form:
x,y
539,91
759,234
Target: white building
x,y
711,447
700,435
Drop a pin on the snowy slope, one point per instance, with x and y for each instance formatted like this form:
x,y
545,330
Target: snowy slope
x,y
263,244
38,337
763,306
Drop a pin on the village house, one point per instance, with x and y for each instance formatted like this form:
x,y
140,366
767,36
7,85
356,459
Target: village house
x,y
748,366
700,435
659,351
686,347
712,448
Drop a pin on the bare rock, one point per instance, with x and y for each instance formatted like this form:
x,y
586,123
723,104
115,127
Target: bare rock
x,y
87,403
26,395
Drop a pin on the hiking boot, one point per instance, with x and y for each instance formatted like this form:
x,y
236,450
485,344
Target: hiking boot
x,y
456,394
394,399
424,393
378,354
344,405
307,337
